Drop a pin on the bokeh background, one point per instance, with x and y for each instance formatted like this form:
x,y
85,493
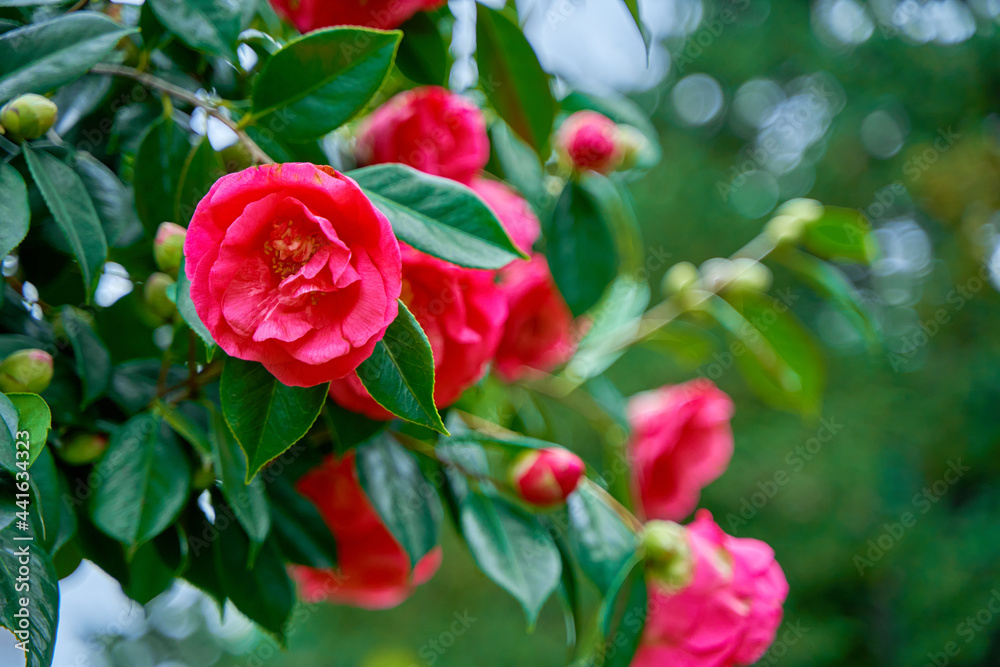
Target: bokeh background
x,y
886,106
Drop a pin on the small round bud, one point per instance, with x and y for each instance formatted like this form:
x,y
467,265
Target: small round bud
x,y
588,140
716,273
669,559
82,448
749,275
681,276
808,210
546,476
236,157
26,371
634,146
28,116
168,247
785,230
155,293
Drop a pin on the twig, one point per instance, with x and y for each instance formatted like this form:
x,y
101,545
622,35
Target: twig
x,y
155,83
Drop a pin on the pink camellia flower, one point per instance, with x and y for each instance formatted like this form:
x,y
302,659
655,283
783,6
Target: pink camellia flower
x,y
430,129
292,266
727,615
461,310
681,441
516,215
589,140
382,14
373,571
538,334
546,476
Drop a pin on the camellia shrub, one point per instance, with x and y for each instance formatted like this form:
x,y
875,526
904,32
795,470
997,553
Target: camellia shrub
x,y
278,303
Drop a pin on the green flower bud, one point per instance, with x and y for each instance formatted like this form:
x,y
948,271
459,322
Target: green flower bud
x,y
681,277
26,371
716,273
236,157
808,210
28,116
168,247
669,559
749,275
785,230
82,448
634,145
155,293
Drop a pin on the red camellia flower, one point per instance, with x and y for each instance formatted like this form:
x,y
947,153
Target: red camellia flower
x,y
430,129
681,441
292,266
538,332
546,476
727,615
516,215
382,14
461,310
590,141
373,571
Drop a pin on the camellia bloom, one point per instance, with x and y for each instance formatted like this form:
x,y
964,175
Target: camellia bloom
x,y
589,140
681,441
292,266
461,310
729,612
546,476
513,211
373,571
538,333
430,129
382,14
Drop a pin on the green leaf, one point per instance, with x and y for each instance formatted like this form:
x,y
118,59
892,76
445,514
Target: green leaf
x,y
408,504
42,596
141,482
633,9
842,233
684,342
35,418
599,539
519,163
615,320
13,209
513,549
40,57
399,374
580,246
149,573
321,80
180,293
184,426
514,81
74,212
299,529
93,361
159,164
52,509
202,168
8,434
423,55
778,358
266,416
438,216
114,203
211,26
246,498
631,618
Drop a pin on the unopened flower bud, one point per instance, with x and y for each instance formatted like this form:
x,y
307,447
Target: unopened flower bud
x,y
749,275
588,140
546,476
808,210
155,293
681,277
28,116
634,146
82,448
168,247
26,371
669,559
716,273
785,230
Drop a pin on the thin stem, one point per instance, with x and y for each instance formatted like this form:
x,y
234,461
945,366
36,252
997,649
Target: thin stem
x,y
420,447
155,83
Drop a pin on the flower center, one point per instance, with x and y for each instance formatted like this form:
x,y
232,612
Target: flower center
x,y
289,247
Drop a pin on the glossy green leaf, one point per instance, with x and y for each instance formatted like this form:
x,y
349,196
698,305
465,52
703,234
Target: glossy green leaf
x,y
246,498
842,233
580,246
184,426
321,80
438,216
633,9
600,541
514,81
141,482
615,320
43,56
266,416
13,209
625,626
74,212
180,293
113,202
8,434
159,164
202,168
299,529
399,374
408,504
93,361
205,25
35,418
42,596
520,165
423,55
